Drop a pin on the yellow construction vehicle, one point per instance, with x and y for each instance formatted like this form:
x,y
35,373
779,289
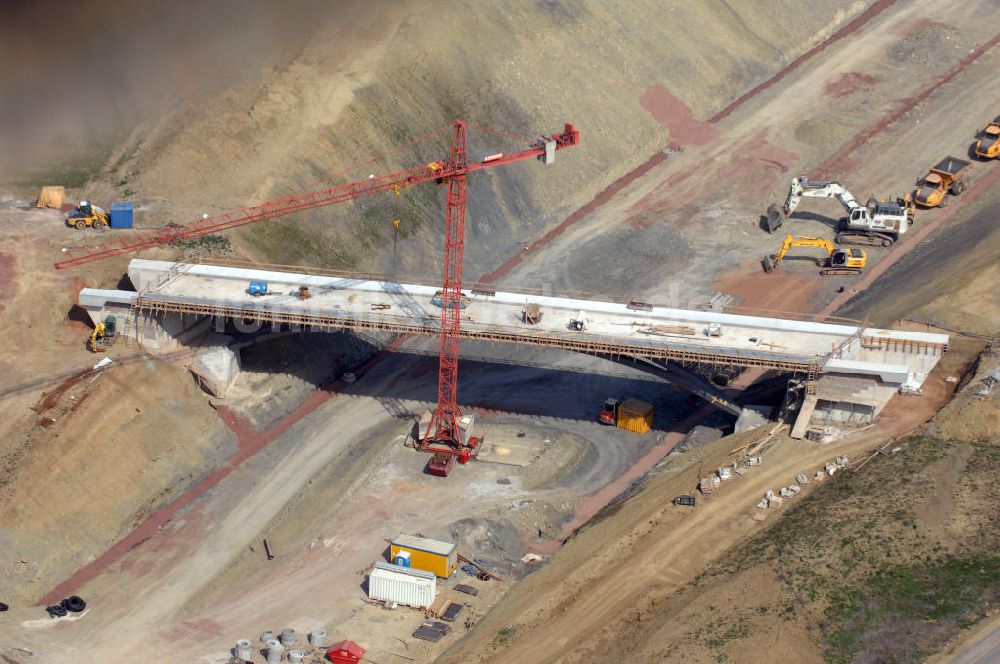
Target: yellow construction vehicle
x,y
837,260
988,145
104,335
948,176
87,215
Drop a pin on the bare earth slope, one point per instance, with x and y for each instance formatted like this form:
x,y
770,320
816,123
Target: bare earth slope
x,y
623,586
379,76
649,84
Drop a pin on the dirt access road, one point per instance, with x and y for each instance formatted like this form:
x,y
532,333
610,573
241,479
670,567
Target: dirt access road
x,y
328,493
560,618
718,190
167,581
982,648
897,83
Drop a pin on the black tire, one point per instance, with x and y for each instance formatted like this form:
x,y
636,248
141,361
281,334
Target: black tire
x,y
74,604
3,607
56,611
886,242
80,225
99,225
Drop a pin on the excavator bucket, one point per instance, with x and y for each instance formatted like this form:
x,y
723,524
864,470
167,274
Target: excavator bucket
x,y
769,263
775,217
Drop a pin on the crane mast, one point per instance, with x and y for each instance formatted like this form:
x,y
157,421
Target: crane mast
x,y
444,425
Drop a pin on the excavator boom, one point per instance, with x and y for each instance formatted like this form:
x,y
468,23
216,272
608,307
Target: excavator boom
x,y
800,188
836,260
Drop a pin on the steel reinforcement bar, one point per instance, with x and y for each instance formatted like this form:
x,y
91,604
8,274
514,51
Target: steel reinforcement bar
x,y
429,326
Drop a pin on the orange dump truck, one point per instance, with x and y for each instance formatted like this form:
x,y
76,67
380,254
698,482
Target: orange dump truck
x,y
947,176
988,145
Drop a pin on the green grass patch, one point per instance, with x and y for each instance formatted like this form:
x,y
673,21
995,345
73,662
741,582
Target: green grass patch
x,y
207,245
854,558
911,605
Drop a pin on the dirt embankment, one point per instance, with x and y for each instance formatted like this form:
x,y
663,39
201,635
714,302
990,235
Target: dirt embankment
x,y
312,109
89,468
815,577
374,79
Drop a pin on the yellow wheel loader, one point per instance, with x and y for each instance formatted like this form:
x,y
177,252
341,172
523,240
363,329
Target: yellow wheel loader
x,y
87,216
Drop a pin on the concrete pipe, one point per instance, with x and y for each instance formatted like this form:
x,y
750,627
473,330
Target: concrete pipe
x,y
274,651
295,657
288,637
266,635
244,651
317,638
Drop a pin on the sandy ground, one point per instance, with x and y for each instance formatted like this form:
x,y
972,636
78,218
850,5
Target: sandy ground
x,y
676,195
558,615
328,487
356,439
721,187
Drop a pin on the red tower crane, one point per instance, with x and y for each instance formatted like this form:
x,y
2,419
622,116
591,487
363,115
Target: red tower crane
x,y
443,428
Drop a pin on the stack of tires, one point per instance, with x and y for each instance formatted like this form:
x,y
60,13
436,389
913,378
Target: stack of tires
x,y
72,604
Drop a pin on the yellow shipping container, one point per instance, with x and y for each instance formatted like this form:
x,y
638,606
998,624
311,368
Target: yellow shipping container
x,y
635,416
430,555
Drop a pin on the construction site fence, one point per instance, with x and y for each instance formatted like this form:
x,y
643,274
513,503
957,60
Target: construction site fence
x,y
430,326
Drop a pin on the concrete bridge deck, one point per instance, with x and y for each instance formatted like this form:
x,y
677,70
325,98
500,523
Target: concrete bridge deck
x,y
173,297
611,328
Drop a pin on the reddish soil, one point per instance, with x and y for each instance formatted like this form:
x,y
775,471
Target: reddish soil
x,y
653,201
841,161
675,115
752,163
771,155
848,29
846,84
756,163
904,414
777,291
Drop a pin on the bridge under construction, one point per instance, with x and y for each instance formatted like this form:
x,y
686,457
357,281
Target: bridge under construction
x,y
848,372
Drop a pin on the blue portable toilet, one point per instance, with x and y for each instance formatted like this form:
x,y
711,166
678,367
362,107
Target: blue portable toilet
x,y
121,215
402,559
257,288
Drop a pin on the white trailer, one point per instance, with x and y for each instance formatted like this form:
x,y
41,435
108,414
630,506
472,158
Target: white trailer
x,y
394,584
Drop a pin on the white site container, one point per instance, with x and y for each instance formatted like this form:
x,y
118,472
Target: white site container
x,y
402,585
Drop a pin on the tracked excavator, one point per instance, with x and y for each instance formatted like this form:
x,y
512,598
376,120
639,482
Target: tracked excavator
x,y
838,260
873,224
